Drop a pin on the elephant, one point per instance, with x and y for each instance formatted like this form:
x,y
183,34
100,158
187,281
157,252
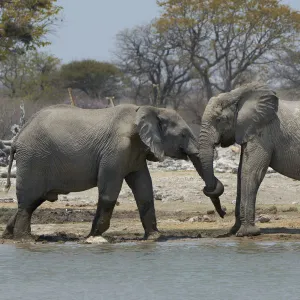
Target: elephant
x,y
64,149
269,135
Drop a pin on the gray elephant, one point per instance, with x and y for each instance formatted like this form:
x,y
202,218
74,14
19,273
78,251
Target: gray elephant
x,y
269,135
66,149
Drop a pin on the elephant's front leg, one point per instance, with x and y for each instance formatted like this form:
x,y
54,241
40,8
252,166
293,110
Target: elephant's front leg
x,y
255,162
141,185
109,186
237,223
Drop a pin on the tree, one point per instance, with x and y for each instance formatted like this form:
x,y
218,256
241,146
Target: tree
x,y
158,72
96,79
32,75
287,68
224,38
24,24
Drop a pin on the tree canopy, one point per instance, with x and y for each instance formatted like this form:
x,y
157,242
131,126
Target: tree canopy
x,y
287,68
24,24
96,79
224,38
31,76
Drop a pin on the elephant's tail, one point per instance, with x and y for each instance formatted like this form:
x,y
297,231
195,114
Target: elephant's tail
x,y
11,159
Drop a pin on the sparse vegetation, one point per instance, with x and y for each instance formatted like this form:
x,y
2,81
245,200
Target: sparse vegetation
x,y
94,78
191,51
24,25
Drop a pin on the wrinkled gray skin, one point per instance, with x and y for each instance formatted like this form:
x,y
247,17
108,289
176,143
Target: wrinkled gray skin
x,y
269,135
66,149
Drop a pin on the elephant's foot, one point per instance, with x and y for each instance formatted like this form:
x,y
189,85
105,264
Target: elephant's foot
x,y
7,234
23,236
248,230
95,233
234,229
9,230
99,229
152,236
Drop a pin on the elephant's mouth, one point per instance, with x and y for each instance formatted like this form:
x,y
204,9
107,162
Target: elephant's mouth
x,y
225,140
179,155
224,144
227,143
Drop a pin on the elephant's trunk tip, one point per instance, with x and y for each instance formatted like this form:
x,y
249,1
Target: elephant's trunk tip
x,y
221,213
217,204
6,188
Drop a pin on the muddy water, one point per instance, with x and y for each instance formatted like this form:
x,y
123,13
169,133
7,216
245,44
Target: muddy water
x,y
170,270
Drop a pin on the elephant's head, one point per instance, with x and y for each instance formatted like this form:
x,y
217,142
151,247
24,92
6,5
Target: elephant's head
x,y
165,133
233,117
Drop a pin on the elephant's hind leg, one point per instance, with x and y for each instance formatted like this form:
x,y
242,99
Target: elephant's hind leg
x,y
256,160
22,222
9,230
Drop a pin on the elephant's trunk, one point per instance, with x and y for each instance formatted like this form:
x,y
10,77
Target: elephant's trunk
x,y
206,151
218,190
214,188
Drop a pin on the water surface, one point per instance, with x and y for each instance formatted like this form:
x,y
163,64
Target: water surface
x,y
205,269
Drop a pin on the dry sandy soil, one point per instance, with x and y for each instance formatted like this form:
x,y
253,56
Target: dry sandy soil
x,y
179,198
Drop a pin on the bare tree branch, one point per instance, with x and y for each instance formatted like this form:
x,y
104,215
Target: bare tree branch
x,y
153,65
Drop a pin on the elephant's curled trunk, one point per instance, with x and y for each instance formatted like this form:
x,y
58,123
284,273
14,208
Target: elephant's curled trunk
x,y
217,191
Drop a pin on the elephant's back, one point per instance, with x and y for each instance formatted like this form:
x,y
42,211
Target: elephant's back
x,y
65,125
289,114
65,114
290,107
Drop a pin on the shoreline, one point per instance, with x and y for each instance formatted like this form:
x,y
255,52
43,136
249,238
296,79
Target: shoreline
x,y
64,224
182,211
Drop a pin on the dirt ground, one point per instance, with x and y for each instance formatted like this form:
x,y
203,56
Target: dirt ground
x,y
182,211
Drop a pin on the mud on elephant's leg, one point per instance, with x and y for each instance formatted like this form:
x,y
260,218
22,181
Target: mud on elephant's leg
x,y
103,215
22,221
109,187
9,230
141,185
22,228
254,167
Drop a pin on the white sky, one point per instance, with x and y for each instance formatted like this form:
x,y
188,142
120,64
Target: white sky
x,y
89,27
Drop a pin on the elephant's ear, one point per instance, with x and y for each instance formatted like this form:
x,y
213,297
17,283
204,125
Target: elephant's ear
x,y
148,127
254,111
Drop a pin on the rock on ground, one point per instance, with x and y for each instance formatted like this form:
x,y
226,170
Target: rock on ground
x,y
264,218
96,240
194,219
